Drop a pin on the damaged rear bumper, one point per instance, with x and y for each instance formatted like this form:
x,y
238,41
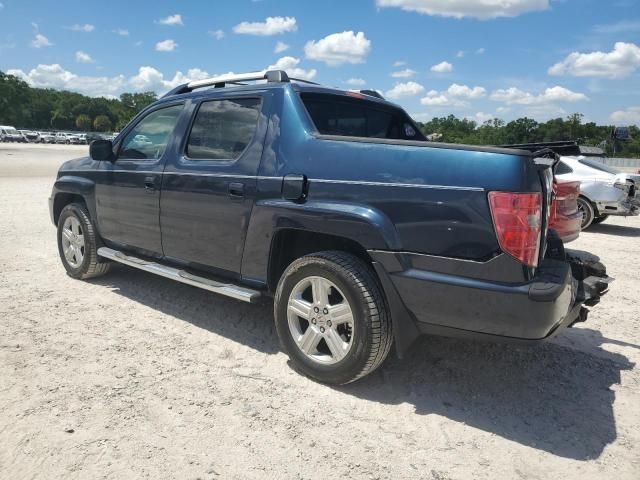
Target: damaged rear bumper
x,y
430,302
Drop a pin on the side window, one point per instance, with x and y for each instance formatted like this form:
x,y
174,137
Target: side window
x,y
149,138
563,169
223,129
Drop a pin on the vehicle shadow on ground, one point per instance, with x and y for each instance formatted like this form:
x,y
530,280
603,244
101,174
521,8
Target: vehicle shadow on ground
x,y
548,396
248,324
619,230
555,397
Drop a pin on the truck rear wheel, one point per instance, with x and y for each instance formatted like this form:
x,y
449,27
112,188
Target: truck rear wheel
x,y
77,243
331,317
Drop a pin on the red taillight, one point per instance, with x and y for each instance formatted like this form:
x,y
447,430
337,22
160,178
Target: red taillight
x,y
517,218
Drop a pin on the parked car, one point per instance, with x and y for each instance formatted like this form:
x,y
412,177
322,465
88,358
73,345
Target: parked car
x,y
10,134
30,136
68,138
47,137
334,204
603,190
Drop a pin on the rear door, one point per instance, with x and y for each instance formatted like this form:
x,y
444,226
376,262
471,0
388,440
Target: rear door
x,y
209,188
128,189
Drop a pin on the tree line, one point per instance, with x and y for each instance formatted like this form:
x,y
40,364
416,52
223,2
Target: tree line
x,y
43,108
527,130
25,107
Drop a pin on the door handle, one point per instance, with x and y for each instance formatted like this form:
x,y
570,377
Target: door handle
x,y
236,189
150,184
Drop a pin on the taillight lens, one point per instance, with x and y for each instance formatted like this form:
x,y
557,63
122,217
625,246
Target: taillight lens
x,y
517,218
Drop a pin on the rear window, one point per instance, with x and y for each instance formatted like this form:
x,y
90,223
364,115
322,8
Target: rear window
x,y
598,166
347,117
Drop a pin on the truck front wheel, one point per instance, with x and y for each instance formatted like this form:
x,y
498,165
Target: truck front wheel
x,y
331,317
77,243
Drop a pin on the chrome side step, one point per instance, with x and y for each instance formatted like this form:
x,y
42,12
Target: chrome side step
x,y
227,289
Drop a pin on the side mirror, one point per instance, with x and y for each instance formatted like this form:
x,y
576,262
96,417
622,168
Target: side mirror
x,y
101,150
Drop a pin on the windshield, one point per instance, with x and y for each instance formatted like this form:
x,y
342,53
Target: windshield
x,y
599,166
11,130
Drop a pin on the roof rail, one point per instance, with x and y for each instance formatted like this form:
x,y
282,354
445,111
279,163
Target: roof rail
x,y
372,93
231,78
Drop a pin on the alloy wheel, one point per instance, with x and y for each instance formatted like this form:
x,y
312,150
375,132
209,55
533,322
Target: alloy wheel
x,y
320,320
73,245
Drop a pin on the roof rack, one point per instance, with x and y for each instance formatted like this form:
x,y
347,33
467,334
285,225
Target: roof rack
x,y
271,76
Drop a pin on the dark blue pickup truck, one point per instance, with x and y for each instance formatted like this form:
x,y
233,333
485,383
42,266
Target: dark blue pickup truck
x,y
334,204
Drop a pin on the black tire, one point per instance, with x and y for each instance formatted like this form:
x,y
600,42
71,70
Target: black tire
x,y
599,219
92,265
588,212
372,334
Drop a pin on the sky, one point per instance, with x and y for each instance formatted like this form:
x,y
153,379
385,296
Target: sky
x,y
472,58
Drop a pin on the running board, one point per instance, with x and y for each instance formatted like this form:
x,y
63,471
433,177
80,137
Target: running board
x,y
227,289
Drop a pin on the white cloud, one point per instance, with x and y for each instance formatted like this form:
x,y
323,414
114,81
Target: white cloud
x,y
455,96
406,73
482,9
630,116
1,5
621,62
54,76
290,65
462,91
339,48
552,95
171,20
408,89
87,27
281,47
83,57
435,99
480,51
151,79
442,67
460,54
480,117
217,34
40,41
399,63
356,82
271,26
166,46
121,31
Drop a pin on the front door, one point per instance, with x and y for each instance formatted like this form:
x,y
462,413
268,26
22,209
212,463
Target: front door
x,y
128,189
208,189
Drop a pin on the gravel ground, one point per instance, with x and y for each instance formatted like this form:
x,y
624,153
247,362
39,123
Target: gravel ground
x,y
134,376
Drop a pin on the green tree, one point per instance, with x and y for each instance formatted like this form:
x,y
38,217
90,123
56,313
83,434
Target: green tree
x,y
83,122
102,123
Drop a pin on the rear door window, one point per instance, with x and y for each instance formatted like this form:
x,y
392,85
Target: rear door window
x,y
223,129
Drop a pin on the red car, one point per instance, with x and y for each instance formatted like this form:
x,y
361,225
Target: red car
x,y
565,217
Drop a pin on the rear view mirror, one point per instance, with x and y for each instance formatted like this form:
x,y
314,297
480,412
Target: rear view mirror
x,y
101,150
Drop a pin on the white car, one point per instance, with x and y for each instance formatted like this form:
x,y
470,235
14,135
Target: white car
x,y
10,134
604,190
47,137
68,138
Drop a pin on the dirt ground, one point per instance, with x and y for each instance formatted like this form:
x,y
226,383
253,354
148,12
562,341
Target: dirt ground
x,y
135,376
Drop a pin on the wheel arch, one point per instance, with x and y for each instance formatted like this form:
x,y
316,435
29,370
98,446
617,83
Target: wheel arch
x,y
70,189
